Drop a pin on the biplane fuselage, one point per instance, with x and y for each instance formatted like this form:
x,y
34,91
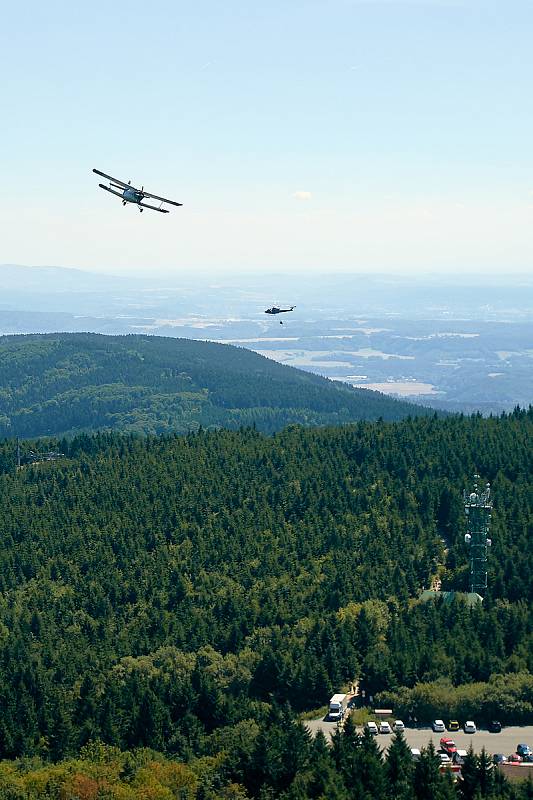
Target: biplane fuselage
x,y
132,196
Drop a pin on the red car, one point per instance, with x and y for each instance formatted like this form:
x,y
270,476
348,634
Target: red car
x,y
448,745
515,759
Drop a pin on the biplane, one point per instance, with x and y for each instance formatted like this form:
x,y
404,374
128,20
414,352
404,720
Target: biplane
x,y
129,194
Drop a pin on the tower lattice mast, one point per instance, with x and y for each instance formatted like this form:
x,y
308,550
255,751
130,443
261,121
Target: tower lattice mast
x,y
478,510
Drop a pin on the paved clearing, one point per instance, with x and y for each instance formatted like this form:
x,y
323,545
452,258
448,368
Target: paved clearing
x,y
504,742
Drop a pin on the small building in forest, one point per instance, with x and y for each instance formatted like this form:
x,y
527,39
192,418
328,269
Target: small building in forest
x,y
470,598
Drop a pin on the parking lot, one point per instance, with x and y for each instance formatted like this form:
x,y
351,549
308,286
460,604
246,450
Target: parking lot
x,y
504,742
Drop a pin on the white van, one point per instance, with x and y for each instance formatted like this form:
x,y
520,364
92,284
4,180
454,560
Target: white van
x,y
459,757
337,707
372,728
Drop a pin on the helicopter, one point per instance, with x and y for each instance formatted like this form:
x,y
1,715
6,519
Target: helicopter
x,y
278,310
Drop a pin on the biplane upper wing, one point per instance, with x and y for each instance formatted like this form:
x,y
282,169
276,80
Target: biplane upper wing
x,y
163,199
116,180
102,186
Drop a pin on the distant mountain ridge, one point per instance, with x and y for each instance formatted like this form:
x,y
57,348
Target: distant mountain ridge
x,y
47,278
63,383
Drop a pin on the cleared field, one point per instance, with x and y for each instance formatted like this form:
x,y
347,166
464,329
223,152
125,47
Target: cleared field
x,y
517,773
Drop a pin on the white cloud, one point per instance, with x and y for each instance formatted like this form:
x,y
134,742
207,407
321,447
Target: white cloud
x,y
300,195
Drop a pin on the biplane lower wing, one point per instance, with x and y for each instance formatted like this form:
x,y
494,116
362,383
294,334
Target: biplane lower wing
x,y
118,194
154,208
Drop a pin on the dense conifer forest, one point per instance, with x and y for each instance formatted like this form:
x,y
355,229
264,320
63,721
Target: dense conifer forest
x,y
61,383
169,604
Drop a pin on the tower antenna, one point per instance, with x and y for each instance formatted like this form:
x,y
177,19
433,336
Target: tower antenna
x,y
478,510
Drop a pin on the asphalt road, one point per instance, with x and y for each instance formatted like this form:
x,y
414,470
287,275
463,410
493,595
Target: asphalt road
x,y
504,742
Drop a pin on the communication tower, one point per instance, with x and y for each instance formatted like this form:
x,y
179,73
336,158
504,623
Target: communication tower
x,y
478,510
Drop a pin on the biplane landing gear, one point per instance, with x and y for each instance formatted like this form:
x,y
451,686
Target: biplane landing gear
x,y
123,202
141,210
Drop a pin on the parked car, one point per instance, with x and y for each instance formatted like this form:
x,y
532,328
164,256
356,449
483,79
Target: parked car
x,y
470,727
444,758
438,726
528,759
372,728
453,725
495,726
415,753
514,758
448,745
523,749
384,727
499,758
459,757
398,725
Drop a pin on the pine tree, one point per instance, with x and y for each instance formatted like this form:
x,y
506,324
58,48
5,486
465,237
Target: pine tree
x,y
297,746
485,774
345,747
151,721
447,788
399,768
468,782
61,733
427,776
528,788
324,780
351,738
369,766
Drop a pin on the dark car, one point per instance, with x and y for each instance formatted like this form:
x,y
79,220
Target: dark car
x,y
523,750
495,726
499,758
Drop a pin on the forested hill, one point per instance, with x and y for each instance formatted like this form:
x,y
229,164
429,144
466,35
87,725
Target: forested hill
x,y
170,591
53,384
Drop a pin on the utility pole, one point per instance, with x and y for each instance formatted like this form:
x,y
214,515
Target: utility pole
x,y
478,510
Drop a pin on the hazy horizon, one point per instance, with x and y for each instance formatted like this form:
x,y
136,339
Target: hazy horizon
x,y
212,273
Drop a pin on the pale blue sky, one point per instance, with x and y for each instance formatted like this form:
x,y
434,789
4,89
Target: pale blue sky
x,y
348,135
